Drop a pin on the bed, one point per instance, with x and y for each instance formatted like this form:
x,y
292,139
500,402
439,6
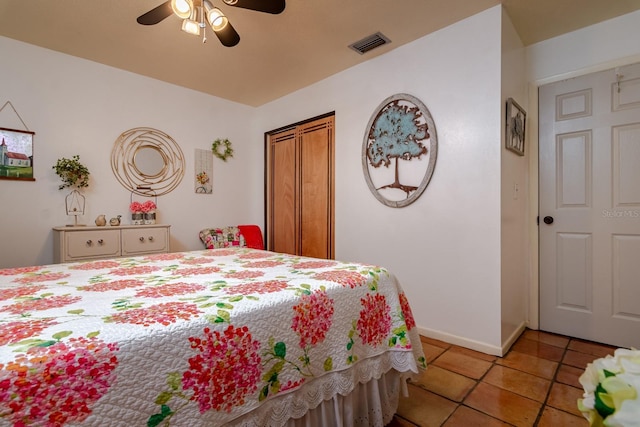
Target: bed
x,y
234,336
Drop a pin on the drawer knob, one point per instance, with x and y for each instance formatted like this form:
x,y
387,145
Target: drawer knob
x,y
100,241
142,239
89,242
151,238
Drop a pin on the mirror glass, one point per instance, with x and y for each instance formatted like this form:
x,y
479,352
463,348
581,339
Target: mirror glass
x,y
149,160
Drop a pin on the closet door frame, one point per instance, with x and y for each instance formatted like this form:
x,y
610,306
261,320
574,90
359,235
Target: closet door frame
x,y
269,220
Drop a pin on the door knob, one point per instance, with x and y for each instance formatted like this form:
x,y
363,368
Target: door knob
x,y
548,220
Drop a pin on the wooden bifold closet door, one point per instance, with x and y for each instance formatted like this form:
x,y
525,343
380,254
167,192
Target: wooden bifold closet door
x,y
300,188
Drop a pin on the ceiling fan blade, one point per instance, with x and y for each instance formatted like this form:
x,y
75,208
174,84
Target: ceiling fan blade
x,y
267,6
156,15
228,36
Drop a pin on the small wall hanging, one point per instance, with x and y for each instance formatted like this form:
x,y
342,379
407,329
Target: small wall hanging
x,y
222,149
16,151
515,127
203,172
401,136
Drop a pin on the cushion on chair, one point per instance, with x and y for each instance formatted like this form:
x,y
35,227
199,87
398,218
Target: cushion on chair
x,y
224,237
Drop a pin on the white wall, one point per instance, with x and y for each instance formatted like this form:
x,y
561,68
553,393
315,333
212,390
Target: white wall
x,y
601,46
514,195
445,247
80,107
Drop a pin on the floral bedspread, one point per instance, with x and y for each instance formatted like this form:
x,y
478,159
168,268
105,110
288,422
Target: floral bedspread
x,y
191,338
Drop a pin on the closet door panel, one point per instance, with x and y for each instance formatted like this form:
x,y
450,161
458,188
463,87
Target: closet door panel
x,y
315,190
283,190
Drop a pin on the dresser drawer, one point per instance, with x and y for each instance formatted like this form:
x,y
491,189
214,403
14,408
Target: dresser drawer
x,y
92,244
144,240
88,242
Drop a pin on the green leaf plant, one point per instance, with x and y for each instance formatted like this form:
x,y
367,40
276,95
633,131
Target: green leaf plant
x,y
72,173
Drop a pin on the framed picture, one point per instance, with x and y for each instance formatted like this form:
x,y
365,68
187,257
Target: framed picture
x,y
16,154
515,129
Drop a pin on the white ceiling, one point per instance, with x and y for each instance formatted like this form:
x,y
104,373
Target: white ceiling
x,y
277,54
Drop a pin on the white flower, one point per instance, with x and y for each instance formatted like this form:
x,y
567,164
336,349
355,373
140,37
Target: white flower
x,y
628,413
629,360
612,386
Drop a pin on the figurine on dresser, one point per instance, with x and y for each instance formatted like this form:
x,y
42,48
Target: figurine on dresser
x,y
101,221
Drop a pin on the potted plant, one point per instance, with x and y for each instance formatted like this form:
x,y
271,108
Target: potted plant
x,y
72,172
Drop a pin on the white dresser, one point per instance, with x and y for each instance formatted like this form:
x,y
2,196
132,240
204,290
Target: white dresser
x,y
85,243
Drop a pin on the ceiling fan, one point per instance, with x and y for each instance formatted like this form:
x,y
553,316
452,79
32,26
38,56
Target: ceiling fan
x,y
197,13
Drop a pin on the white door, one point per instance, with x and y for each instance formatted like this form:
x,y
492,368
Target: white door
x,y
590,207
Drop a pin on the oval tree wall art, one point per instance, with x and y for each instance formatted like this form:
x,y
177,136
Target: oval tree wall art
x,y
399,150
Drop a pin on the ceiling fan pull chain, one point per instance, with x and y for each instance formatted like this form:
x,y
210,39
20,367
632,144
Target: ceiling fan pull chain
x,y
203,25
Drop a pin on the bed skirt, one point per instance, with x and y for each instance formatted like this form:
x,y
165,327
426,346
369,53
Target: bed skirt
x,y
370,404
344,399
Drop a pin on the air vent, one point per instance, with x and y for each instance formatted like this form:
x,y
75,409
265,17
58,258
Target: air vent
x,y
368,43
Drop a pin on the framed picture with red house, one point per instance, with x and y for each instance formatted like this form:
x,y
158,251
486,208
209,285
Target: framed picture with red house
x,y
16,154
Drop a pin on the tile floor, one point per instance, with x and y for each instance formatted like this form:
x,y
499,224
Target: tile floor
x,y
534,384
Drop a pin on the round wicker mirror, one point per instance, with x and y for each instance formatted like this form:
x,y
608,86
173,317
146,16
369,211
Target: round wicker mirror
x,y
147,161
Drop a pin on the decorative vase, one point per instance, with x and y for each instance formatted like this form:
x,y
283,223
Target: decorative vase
x,y
150,218
101,221
137,218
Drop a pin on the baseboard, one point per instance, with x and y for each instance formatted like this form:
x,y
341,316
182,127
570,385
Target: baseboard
x,y
461,341
472,344
513,338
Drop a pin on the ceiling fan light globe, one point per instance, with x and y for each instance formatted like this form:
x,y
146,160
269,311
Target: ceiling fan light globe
x,y
182,8
216,19
190,26
219,23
